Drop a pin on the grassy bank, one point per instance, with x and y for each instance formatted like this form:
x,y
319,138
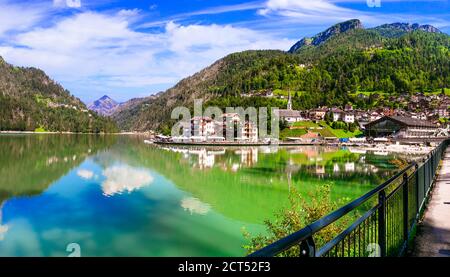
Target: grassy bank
x,y
301,128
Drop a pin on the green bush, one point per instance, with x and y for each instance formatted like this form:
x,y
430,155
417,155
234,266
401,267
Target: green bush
x,y
298,215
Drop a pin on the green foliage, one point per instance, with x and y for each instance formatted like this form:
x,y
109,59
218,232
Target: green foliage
x,y
283,124
31,101
305,124
329,118
339,125
343,66
352,127
443,120
291,133
341,129
40,130
166,129
298,215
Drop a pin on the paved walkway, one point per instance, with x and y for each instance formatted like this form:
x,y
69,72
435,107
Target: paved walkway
x,y
433,238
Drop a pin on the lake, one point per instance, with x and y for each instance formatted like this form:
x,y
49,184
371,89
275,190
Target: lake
x,y
116,196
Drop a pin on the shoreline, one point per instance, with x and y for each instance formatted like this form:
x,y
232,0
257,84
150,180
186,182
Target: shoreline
x,y
67,133
238,144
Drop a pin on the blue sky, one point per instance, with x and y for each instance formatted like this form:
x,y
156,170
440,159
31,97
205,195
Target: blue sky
x,y
135,48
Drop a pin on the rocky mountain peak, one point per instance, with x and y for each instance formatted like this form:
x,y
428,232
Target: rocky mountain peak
x,y
327,34
104,106
408,27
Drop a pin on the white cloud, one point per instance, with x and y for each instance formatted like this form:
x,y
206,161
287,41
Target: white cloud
x,y
124,178
129,12
67,3
85,174
318,11
216,38
225,9
115,57
16,17
326,12
307,6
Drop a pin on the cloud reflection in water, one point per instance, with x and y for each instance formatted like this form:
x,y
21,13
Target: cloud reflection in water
x,y
195,206
124,178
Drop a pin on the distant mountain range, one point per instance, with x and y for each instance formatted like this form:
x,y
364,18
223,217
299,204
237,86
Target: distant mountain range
x,y
322,70
106,106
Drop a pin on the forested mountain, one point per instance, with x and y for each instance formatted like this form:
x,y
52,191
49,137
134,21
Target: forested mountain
x,y
393,58
129,110
30,100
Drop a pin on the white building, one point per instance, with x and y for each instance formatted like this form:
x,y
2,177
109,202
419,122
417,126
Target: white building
x,y
289,115
338,114
202,126
318,114
442,110
249,132
202,129
349,118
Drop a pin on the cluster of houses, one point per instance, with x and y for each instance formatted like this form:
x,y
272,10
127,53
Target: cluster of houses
x,y
66,106
414,122
419,120
292,116
229,127
419,107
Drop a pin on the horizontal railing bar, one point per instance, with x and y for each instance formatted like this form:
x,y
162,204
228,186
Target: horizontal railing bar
x,y
295,238
329,245
394,191
427,192
284,243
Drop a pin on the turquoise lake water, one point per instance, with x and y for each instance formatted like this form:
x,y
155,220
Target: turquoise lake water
x,y
115,196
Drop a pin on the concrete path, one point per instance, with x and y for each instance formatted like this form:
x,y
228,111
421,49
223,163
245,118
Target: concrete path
x,y
433,237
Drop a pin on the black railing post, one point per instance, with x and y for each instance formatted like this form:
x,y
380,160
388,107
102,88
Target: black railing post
x,y
382,222
405,207
308,248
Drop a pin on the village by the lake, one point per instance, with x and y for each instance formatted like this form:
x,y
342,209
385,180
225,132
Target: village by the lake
x,y
413,130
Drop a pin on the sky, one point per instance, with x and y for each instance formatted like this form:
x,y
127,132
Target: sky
x,y
135,48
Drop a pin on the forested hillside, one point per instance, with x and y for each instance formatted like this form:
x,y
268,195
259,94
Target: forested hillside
x,y
30,100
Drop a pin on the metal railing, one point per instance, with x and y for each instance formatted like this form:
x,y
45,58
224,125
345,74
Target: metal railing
x,y
390,213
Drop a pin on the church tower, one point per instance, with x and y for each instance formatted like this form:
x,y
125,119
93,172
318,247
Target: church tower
x,y
289,105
